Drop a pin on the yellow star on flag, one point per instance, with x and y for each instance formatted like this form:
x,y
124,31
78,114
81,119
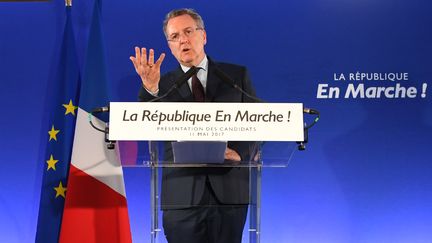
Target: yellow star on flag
x,y
70,108
51,163
53,133
60,190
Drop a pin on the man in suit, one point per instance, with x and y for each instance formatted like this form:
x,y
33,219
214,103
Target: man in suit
x,y
199,204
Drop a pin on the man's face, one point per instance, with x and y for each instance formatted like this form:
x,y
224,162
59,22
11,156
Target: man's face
x,y
189,47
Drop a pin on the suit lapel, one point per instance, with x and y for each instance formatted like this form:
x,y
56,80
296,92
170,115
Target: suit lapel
x,y
213,82
212,87
184,90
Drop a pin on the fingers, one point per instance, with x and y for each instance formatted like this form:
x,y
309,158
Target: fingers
x,y
133,59
136,60
232,155
137,54
151,57
140,59
143,56
160,60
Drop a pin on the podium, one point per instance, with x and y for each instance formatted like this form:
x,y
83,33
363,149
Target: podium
x,y
257,153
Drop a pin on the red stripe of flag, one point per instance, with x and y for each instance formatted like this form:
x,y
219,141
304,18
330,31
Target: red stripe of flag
x,y
94,212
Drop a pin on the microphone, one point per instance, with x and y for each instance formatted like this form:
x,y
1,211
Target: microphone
x,y
100,109
186,76
310,111
221,74
230,82
109,143
179,82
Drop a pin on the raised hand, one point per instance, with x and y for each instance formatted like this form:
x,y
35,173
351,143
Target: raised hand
x,y
147,69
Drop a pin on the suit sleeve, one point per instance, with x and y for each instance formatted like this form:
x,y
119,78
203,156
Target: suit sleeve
x,y
143,95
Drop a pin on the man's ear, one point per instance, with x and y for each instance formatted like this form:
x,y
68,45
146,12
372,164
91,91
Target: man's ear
x,y
169,45
205,37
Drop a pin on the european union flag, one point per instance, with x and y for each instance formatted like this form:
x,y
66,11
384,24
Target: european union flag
x,y
61,104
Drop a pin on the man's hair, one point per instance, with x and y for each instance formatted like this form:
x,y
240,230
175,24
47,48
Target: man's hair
x,y
178,12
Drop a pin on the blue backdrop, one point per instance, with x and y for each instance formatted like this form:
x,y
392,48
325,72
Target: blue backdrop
x,y
366,175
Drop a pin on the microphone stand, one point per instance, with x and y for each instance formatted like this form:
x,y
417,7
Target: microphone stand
x,y
109,143
230,81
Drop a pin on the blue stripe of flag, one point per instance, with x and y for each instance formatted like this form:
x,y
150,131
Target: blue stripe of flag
x,y
62,88
94,91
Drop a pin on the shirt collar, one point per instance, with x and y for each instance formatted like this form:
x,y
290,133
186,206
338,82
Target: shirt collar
x,y
203,65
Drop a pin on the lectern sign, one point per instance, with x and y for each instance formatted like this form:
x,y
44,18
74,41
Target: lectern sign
x,y
195,121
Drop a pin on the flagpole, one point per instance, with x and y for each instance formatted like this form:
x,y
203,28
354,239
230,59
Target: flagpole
x,y
68,3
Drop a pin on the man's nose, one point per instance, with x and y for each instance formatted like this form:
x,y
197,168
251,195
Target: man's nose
x,y
183,38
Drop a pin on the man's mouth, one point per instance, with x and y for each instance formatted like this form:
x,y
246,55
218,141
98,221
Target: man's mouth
x,y
185,49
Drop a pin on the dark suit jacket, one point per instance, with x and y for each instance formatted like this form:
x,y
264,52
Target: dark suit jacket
x,y
184,187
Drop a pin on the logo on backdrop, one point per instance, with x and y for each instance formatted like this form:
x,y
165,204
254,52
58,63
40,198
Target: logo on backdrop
x,y
358,85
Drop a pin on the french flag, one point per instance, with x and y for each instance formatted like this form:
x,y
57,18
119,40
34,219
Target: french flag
x,y
95,207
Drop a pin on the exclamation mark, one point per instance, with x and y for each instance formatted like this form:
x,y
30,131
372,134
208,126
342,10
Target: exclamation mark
x,y
424,87
289,115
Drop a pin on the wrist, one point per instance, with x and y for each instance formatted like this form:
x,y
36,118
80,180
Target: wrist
x,y
151,88
153,92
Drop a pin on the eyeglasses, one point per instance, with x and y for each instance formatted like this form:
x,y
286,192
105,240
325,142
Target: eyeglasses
x,y
188,32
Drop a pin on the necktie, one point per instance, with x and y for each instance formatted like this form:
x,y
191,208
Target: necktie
x,y
197,89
